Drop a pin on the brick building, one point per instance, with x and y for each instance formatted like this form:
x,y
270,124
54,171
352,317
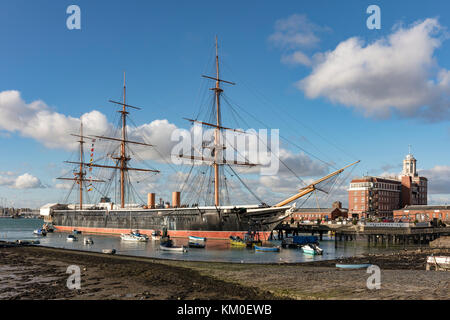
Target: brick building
x,y
380,196
374,196
312,214
423,213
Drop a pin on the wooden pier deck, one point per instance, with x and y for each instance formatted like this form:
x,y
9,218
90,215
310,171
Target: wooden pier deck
x,y
373,234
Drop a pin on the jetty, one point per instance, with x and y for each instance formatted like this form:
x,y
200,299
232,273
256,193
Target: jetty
x,y
374,233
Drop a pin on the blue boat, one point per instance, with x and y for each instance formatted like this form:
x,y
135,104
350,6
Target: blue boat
x,y
267,249
353,266
304,239
40,232
196,239
196,244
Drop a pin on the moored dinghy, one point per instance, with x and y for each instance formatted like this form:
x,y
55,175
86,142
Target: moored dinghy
x,y
353,266
173,248
196,239
267,249
40,232
156,235
88,241
312,249
134,236
198,244
109,251
71,237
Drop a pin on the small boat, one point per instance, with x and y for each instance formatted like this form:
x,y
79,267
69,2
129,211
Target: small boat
x,y
198,244
134,236
88,241
353,266
312,249
251,239
71,237
40,232
237,242
75,231
156,235
267,249
289,243
109,251
196,239
48,227
173,249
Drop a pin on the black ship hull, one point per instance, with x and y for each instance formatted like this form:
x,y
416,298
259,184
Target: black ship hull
x,y
209,222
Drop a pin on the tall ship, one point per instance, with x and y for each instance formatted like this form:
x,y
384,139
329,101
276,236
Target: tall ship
x,y
214,220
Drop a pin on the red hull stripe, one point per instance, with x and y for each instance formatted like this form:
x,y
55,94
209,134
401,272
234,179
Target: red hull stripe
x,y
264,235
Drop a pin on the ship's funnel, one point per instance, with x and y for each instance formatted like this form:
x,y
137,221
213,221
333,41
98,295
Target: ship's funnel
x,y
151,200
176,195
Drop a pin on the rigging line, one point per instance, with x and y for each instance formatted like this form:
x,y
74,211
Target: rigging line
x,y
204,83
317,201
309,196
279,159
346,177
69,193
270,103
187,178
282,137
234,172
154,148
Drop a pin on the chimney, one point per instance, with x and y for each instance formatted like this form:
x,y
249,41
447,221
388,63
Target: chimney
x,y
151,200
176,195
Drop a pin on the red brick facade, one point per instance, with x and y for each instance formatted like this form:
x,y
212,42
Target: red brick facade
x,y
379,196
423,213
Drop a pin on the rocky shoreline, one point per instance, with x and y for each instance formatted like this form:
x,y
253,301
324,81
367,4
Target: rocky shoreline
x,y
40,273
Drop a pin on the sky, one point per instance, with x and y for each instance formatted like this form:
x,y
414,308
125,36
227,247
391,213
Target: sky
x,y
336,90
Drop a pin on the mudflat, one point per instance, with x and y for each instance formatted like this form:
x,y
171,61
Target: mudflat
x,y
40,273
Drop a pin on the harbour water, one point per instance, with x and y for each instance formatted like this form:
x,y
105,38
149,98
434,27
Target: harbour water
x,y
216,250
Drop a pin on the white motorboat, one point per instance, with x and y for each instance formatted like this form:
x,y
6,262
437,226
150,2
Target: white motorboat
x,y
88,241
173,249
71,237
156,235
312,249
40,232
134,236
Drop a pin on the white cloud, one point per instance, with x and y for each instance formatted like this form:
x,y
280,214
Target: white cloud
x,y
295,31
293,35
24,181
63,186
295,58
36,120
438,179
398,73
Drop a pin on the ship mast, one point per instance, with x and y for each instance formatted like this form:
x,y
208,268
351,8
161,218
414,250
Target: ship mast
x,y
80,175
216,159
123,158
217,147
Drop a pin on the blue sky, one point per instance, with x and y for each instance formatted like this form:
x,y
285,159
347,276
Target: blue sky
x,y
164,48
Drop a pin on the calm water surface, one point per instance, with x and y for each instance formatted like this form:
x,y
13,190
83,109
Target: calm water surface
x,y
216,250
